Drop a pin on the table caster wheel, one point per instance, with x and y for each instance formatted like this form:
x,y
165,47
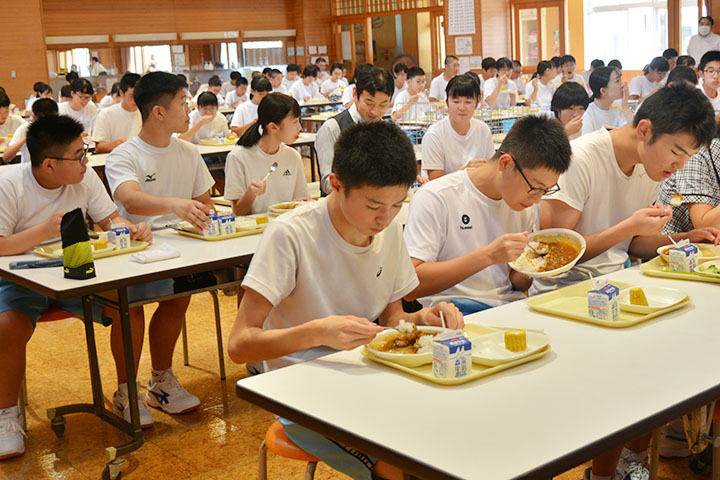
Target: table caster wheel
x,y
58,426
113,469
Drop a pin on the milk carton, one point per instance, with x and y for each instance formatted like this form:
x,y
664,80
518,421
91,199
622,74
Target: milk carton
x,y
603,301
683,258
452,355
227,224
119,234
214,225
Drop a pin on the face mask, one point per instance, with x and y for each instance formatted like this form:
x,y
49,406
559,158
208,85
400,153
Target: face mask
x,y
704,30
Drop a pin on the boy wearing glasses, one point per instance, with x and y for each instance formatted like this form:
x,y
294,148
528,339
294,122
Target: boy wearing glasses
x,y
411,103
80,106
710,68
500,91
463,229
35,196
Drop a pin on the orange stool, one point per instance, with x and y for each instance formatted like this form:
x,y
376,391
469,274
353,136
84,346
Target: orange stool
x,y
277,441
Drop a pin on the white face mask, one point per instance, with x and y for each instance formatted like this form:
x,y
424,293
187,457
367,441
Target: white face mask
x,y
704,30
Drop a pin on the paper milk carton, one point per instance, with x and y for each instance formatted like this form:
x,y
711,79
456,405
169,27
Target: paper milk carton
x,y
119,235
214,225
452,355
227,223
683,257
603,301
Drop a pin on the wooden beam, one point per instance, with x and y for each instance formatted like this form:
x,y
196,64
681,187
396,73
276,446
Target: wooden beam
x,y
369,56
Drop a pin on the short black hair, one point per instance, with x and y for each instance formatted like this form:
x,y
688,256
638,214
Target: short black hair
x,y
128,81
207,99
400,67
320,60
235,75
336,66
463,86
274,73
669,53
450,59
516,63
266,70
556,61
41,87
115,89
42,107
711,56
615,63
415,72
504,62
96,59
182,77
241,81
214,81
707,17
679,108
566,59
310,71
568,95
686,60
597,63
659,64
156,88
488,63
260,84
359,70
4,100
374,154
475,77
377,80
71,76
65,91
293,67
49,137
537,141
682,73
542,67
83,85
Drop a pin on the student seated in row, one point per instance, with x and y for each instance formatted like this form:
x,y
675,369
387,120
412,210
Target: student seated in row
x,y
238,95
681,73
120,122
42,90
246,112
489,70
541,88
333,86
439,83
111,98
709,69
567,71
400,72
35,196
43,107
306,89
373,92
646,84
411,104
500,91
569,104
230,85
9,122
685,60
292,310
516,77
160,179
671,55
275,76
464,228
292,75
607,86
321,66
349,92
65,94
586,73
80,106
264,143
214,86
458,141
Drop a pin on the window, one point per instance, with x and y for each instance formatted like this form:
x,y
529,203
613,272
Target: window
x,y
634,32
229,54
689,14
264,53
150,58
80,57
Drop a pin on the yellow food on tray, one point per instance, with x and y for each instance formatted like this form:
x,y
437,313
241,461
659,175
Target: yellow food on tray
x,y
100,244
637,297
516,340
262,219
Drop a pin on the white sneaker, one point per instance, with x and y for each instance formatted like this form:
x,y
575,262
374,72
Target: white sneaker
x,y
121,406
166,393
632,466
12,443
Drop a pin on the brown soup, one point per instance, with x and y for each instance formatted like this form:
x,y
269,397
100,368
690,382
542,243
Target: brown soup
x,y
559,254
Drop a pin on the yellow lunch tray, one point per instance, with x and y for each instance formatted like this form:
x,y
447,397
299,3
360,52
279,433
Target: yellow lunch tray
x,y
657,267
571,303
210,142
48,251
215,238
425,372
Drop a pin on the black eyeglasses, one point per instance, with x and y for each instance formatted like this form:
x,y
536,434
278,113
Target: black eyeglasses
x,y
86,149
533,190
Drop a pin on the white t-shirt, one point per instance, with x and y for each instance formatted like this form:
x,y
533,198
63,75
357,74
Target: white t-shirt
x,y
595,117
448,218
520,85
329,87
714,101
503,98
233,97
699,46
227,87
106,101
595,186
397,92
348,94
418,109
11,125
642,87
289,83
544,95
299,91
25,204
115,122
217,126
86,115
575,78
244,165
20,134
245,113
437,87
177,171
302,258
97,69
281,89
445,149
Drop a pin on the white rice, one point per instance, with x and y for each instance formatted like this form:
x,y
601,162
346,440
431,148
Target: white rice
x,y
528,262
425,344
405,327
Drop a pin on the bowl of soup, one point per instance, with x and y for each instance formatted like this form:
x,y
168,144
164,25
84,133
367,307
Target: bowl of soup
x,y
551,252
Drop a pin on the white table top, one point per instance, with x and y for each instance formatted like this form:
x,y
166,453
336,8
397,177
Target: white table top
x,y
551,414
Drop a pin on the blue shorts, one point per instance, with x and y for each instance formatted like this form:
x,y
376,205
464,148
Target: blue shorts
x,y
468,306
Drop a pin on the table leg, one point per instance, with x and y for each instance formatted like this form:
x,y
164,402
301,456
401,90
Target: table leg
x,y
655,453
313,161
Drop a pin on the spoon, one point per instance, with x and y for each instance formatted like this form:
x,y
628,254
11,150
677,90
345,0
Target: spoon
x,y
273,167
539,254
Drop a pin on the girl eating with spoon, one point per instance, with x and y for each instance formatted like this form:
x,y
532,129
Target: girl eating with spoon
x,y
263,170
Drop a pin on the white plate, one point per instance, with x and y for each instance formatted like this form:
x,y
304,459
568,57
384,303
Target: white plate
x,y
657,297
552,232
704,256
246,224
703,268
490,349
406,359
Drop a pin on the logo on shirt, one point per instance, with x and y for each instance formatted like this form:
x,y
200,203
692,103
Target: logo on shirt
x,y
465,222
151,177
287,173
379,272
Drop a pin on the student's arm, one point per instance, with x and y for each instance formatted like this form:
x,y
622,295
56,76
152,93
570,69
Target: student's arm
x,y
703,215
530,99
21,242
394,312
239,130
12,150
627,112
249,342
492,98
243,205
401,111
646,246
107,147
140,203
138,231
193,129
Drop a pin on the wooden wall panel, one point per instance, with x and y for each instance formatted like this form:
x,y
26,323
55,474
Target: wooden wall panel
x,y
477,38
496,30
314,26
22,48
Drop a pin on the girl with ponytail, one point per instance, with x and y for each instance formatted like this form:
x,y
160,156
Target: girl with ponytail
x,y
540,89
264,143
607,86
